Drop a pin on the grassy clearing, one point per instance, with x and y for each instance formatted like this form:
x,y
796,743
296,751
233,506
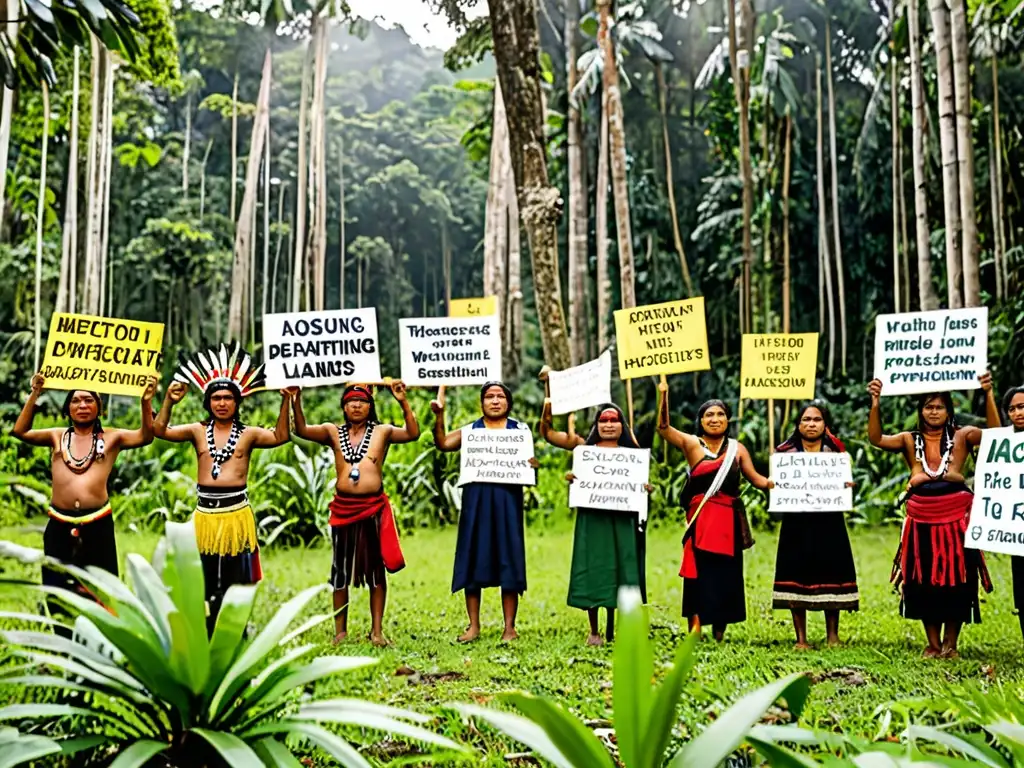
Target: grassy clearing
x,y
879,663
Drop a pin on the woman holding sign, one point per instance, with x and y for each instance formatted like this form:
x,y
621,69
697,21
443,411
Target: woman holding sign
x,y
717,531
609,547
814,569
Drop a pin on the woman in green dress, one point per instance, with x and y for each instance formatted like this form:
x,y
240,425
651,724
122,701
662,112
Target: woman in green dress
x,y
609,547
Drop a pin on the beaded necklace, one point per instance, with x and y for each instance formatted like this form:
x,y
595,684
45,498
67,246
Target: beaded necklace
x,y
943,462
355,455
221,455
80,465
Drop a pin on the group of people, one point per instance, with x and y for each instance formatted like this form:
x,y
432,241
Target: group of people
x,y
937,577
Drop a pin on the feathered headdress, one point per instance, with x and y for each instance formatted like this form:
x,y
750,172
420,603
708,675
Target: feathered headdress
x,y
215,369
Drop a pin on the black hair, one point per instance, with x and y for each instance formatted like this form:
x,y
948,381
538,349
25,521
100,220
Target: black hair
x,y
699,426
65,409
372,418
626,439
949,428
1008,396
795,441
504,388
231,387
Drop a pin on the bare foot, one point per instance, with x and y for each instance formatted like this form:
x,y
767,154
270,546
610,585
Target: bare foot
x,y
339,638
509,635
471,634
378,640
595,640
931,653
802,646
834,642
950,653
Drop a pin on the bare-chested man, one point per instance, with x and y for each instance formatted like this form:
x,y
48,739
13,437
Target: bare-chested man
x,y
363,528
224,521
81,530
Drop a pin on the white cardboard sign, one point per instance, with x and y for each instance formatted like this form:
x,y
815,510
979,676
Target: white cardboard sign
x,y
920,352
997,513
316,349
811,482
450,350
497,456
610,478
582,386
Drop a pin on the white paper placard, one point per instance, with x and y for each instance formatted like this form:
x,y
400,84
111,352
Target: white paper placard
x,y
997,513
610,478
316,349
450,350
497,456
582,386
920,352
811,482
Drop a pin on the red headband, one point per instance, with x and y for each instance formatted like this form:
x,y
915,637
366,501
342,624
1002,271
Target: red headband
x,y
357,393
609,412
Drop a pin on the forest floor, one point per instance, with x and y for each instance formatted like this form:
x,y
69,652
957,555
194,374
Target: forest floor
x,y
879,663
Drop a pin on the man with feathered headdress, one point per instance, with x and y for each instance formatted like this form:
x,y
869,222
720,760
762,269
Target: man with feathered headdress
x,y
224,521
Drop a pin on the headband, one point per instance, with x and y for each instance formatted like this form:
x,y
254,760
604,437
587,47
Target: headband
x,y
357,393
608,412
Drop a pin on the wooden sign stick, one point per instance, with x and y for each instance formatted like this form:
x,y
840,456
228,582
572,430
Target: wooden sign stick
x,y
771,426
629,400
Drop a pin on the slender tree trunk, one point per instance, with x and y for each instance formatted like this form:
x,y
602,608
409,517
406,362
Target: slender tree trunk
x,y
107,282
66,290
266,223
202,180
516,53
998,213
40,216
965,152
926,291
826,260
894,119
514,345
341,222
92,284
677,237
578,215
317,238
840,279
904,237
244,230
234,145
739,60
787,165
299,234
280,243
994,202
10,10
496,223
186,150
604,281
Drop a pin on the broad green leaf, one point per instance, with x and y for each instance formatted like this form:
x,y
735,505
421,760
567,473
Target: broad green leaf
x,y
24,748
153,594
875,760
229,632
779,756
986,756
723,736
792,734
316,670
368,715
525,731
1007,732
275,754
235,752
566,732
33,618
37,711
657,730
333,745
633,670
139,754
241,704
183,575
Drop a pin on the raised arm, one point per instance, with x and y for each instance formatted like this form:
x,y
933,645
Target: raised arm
x,y
271,438
410,433
445,441
23,426
992,417
679,439
885,442
750,472
162,425
136,438
567,440
318,433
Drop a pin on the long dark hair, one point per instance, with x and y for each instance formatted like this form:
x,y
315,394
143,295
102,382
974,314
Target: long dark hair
x,y
949,428
795,442
699,426
1008,396
97,425
626,440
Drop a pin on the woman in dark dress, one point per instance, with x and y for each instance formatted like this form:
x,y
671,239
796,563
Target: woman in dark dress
x,y
717,530
814,569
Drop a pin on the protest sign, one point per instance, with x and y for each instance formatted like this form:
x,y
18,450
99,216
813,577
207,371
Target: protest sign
x,y
102,354
811,482
662,338
497,456
610,478
582,386
450,350
486,305
919,352
782,366
316,349
997,513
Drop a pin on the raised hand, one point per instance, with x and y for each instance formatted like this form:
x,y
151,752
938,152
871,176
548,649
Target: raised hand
x,y
177,391
437,406
986,381
150,391
38,382
570,476
875,389
295,393
398,390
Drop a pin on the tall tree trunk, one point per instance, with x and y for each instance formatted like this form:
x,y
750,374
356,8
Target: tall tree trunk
x,y
10,10
280,243
514,344
317,239
516,53
840,279
965,152
234,145
739,61
67,288
926,291
994,203
894,119
40,217
91,283
904,238
202,180
604,281
617,135
342,248
244,230
947,143
107,283
677,237
186,150
998,214
826,259
266,223
787,165
496,222
578,216
299,233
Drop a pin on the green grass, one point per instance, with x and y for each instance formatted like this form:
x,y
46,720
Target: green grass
x,y
879,663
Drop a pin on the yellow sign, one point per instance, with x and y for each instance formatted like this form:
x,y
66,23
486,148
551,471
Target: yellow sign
x,y
473,307
782,366
102,354
662,338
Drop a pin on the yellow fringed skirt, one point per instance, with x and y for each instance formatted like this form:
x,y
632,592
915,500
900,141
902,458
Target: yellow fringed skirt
x,y
230,531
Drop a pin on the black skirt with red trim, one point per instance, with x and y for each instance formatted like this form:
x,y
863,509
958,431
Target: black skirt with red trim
x,y
814,568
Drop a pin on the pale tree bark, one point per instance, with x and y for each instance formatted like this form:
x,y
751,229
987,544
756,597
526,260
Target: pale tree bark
x,y
994,204
186,150
926,291
825,258
10,10
280,243
904,237
947,143
234,145
496,219
95,262
516,53
604,281
739,62
969,245
840,279
787,166
342,248
106,279
316,247
997,138
894,119
617,136
266,223
299,234
40,211
202,180
677,237
578,215
67,287
514,340
244,229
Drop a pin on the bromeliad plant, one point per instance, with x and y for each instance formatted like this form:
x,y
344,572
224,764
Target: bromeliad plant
x,y
151,685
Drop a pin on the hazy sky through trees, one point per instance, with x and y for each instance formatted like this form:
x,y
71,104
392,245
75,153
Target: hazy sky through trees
x,y
415,16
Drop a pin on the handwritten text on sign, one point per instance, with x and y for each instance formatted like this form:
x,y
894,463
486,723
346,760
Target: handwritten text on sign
x,y
662,339
778,365
582,386
918,352
450,350
997,513
102,354
315,349
811,482
610,478
487,305
497,456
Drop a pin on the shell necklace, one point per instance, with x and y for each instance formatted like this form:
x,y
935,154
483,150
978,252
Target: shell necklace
x,y
355,455
221,455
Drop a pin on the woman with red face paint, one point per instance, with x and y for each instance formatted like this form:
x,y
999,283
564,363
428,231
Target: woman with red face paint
x,y
609,547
